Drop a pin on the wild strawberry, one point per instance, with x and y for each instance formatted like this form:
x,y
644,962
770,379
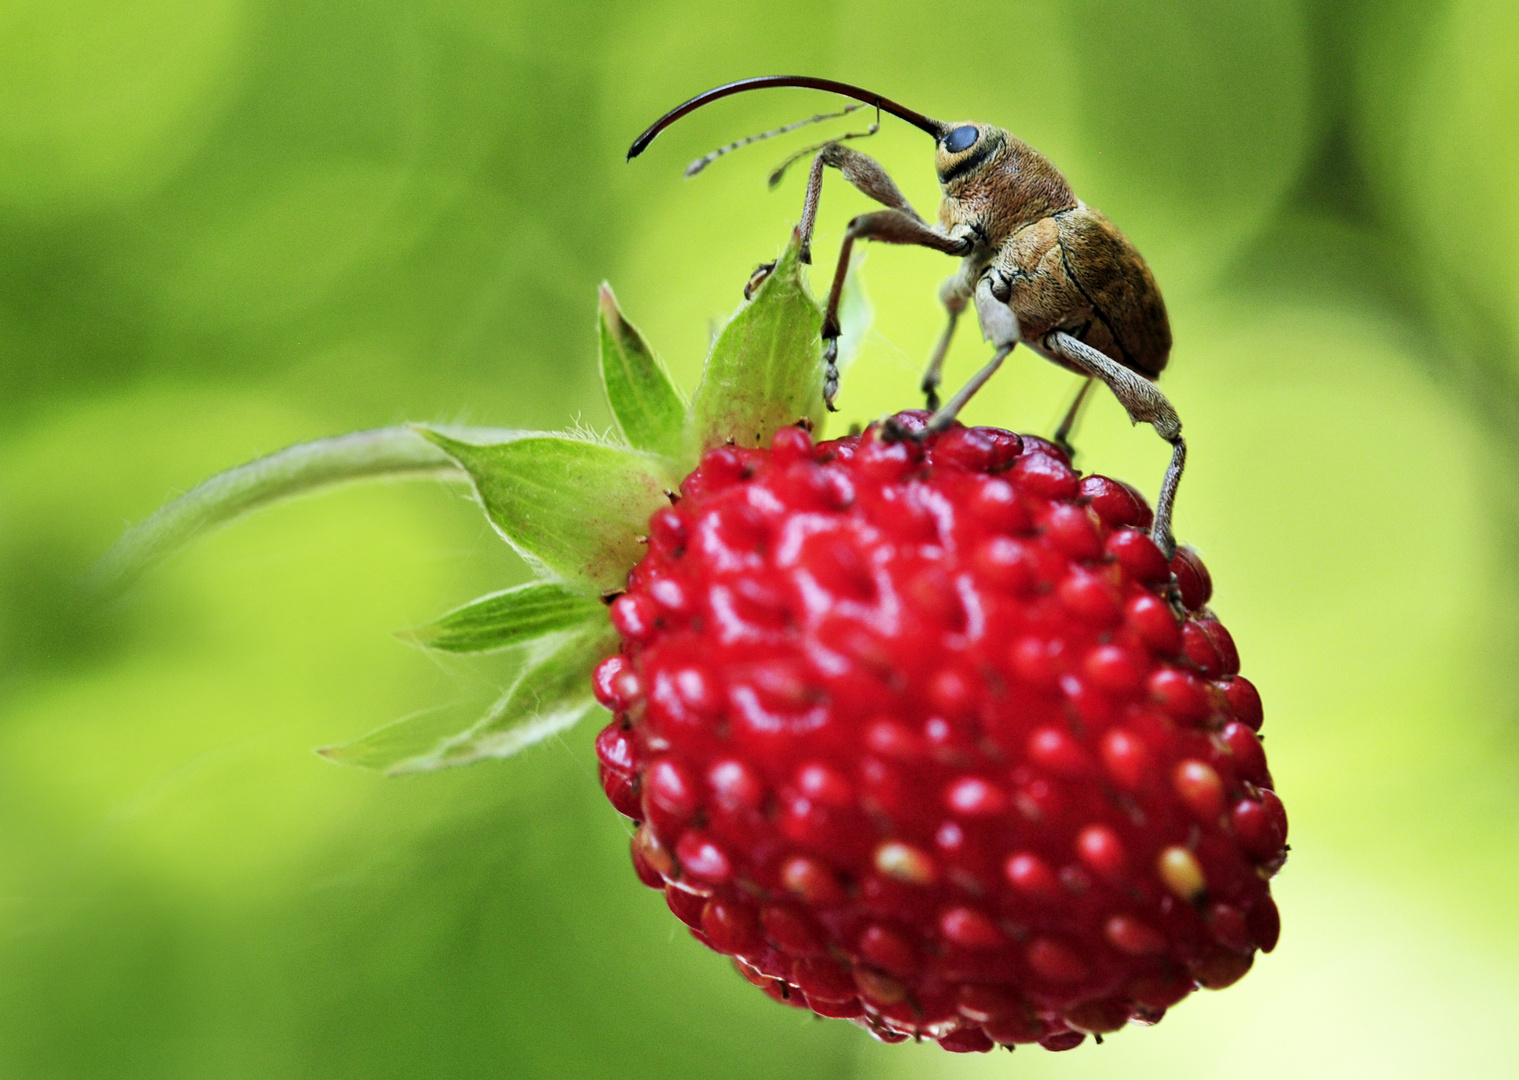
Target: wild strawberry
x,y
925,733
930,736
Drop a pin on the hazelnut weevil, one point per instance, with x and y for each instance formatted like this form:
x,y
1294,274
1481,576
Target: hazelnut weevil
x,y
1041,266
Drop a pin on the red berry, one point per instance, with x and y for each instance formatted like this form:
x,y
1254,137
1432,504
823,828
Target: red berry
x,y
1245,701
731,926
1098,1017
1191,578
1138,555
931,736
1117,503
1063,1040
687,906
1261,825
967,1040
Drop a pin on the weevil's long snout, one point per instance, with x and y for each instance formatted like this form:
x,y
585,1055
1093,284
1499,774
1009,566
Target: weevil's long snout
x,y
934,127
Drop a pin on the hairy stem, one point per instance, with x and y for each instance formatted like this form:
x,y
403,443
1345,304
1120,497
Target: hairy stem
x,y
395,453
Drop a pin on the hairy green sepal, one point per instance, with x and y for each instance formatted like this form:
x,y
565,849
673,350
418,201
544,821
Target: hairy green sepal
x,y
649,410
552,693
765,370
511,617
574,509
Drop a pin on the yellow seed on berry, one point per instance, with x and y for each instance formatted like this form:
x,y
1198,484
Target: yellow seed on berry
x,y
906,864
1180,871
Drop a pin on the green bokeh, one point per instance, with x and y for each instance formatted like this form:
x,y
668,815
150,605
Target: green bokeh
x,y
231,225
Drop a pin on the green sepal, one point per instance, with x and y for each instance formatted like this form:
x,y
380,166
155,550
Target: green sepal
x,y
511,617
765,370
550,695
574,508
649,410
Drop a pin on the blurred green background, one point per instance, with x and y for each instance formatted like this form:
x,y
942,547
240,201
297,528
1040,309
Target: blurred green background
x,y
227,225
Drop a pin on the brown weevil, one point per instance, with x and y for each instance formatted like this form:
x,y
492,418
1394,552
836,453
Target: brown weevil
x,y
1042,267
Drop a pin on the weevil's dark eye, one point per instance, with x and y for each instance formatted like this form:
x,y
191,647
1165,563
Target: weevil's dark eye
x,y
962,138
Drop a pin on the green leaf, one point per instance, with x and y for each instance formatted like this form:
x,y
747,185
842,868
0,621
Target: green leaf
x,y
550,695
382,454
574,508
766,367
510,617
648,408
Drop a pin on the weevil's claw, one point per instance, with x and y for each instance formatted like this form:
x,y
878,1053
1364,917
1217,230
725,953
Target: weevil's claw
x,y
830,372
756,279
893,431
930,389
1065,444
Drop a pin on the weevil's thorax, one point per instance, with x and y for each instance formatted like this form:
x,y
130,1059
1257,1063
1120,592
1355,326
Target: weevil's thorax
x,y
996,184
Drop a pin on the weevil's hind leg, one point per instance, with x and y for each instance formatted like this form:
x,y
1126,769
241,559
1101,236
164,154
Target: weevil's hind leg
x,y
1144,403
1063,432
953,294
1161,531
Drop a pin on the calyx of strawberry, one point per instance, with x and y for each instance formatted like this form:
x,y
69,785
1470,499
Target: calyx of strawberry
x,y
573,506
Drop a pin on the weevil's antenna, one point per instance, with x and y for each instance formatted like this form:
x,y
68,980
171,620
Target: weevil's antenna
x,y
935,128
779,172
702,162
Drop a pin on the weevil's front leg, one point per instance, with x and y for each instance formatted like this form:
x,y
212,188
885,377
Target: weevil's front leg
x,y
810,207
953,294
890,227
866,174
1063,432
861,170
1145,404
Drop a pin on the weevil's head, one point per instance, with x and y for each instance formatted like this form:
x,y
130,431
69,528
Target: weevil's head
x,y
966,150
996,180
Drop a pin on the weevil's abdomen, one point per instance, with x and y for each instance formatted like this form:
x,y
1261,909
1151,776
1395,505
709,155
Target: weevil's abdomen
x,y
1114,278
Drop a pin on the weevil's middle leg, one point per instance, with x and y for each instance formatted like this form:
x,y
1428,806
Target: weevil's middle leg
x,y
1063,432
1144,403
946,416
999,326
953,294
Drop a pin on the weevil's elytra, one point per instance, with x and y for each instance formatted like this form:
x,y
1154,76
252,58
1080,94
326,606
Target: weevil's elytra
x,y
1040,265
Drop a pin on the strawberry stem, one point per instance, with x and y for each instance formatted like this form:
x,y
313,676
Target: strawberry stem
x,y
396,453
